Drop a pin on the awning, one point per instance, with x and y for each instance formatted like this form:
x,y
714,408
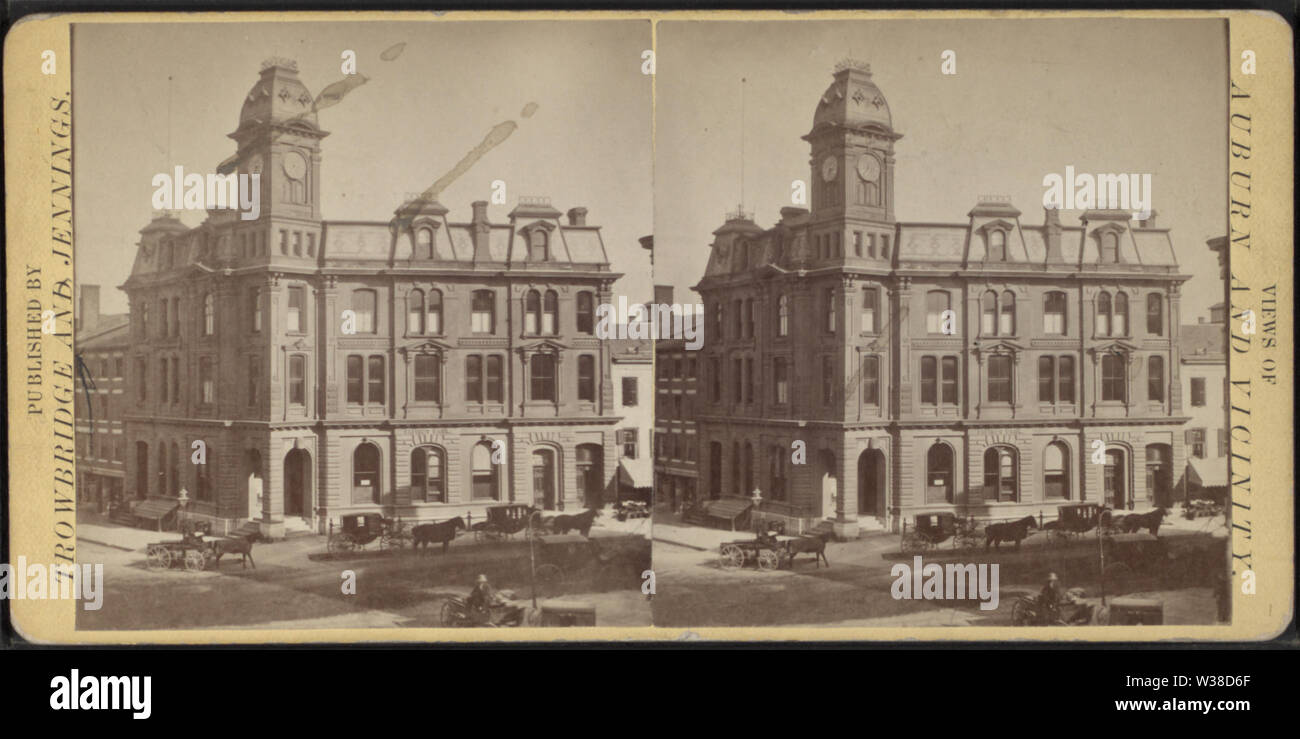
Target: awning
x,y
1207,473
632,477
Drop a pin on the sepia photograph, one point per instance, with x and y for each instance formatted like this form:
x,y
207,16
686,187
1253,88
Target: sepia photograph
x,y
962,294
344,351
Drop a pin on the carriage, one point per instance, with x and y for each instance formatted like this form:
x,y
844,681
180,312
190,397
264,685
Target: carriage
x,y
503,521
929,530
189,552
565,558
1073,521
770,550
356,530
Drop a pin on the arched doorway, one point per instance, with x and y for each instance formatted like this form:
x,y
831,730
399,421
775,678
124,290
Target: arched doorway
x,y
1160,474
830,482
297,483
871,483
938,473
591,474
1113,480
365,474
253,460
142,470
544,487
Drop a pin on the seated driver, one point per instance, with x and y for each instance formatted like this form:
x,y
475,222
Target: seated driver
x,y
1051,596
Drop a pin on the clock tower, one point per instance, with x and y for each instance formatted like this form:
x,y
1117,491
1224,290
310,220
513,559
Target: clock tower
x,y
278,138
852,144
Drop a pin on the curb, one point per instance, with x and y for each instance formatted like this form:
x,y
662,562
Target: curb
x,y
82,539
683,544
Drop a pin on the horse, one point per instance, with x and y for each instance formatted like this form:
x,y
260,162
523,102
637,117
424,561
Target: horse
x,y
235,545
809,543
996,533
435,533
1150,521
580,522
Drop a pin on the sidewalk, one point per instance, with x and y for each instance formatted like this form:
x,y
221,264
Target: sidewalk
x,y
121,537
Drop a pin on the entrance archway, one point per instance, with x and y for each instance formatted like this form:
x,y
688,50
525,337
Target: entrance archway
x,y
830,482
871,483
1113,480
255,483
544,487
297,483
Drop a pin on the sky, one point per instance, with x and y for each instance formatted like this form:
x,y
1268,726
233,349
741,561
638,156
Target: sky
x,y
1029,97
588,143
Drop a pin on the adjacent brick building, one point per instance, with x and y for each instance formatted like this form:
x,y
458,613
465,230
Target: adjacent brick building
x,y
972,366
421,366
102,347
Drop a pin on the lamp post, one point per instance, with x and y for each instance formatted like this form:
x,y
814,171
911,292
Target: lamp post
x,y
183,499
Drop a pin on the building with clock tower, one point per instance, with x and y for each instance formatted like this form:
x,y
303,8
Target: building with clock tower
x,y
858,370
287,370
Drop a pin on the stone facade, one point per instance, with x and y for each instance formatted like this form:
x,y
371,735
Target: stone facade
x,y
102,346
422,367
860,369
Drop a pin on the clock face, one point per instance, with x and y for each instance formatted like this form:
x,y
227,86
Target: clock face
x,y
255,164
294,165
868,168
829,168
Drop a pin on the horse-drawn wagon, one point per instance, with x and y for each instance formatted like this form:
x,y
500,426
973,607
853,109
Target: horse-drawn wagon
x,y
189,552
1075,520
772,550
929,530
356,530
504,521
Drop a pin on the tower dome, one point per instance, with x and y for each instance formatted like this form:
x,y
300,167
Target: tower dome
x,y
852,99
278,95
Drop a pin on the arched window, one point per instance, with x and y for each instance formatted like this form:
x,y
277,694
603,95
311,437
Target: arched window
x,y
428,474
433,321
365,474
937,302
415,312
1119,323
1056,471
1000,474
424,243
938,473
551,313
586,313
1155,315
203,476
1103,314
1156,378
998,245
209,316
989,313
1007,315
485,479
783,316
532,311
1054,313
544,482
586,377
748,473
175,474
776,471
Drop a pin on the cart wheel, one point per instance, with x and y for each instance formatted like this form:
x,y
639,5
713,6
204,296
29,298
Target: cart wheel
x,y
159,558
768,560
1101,616
550,578
340,543
396,542
732,556
196,560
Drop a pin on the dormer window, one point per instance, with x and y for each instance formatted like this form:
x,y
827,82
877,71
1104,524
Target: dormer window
x,y
1110,248
539,246
998,245
424,243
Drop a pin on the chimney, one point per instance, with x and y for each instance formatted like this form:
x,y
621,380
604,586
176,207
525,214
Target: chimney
x,y
790,213
664,294
1052,234
577,216
1149,221
480,231
88,315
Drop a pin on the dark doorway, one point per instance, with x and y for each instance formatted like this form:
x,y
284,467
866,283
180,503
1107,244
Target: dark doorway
x,y
141,470
591,474
297,482
1160,474
871,482
1113,480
